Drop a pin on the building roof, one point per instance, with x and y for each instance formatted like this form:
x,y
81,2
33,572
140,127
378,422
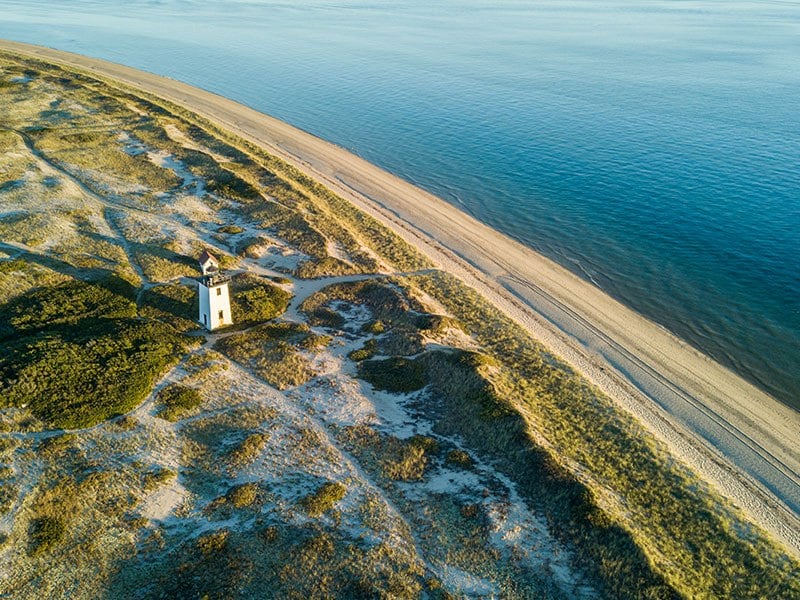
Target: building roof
x,y
206,256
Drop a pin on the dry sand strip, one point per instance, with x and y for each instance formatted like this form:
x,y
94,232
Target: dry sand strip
x,y
734,435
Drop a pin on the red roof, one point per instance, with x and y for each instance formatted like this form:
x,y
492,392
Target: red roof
x,y
206,256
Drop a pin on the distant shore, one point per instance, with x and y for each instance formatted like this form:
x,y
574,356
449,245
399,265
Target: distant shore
x,y
733,434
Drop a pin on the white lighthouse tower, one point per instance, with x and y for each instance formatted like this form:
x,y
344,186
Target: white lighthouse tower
x,y
215,302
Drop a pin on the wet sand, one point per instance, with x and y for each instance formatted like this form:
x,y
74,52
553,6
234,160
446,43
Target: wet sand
x,y
734,435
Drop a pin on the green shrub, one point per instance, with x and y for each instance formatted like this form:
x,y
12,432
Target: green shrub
x,y
155,479
326,317
406,460
98,154
325,498
65,304
161,264
375,327
254,300
401,340
172,303
213,543
388,303
459,458
177,400
230,229
314,342
268,349
248,450
242,496
395,374
218,179
46,533
324,267
367,351
78,376
437,325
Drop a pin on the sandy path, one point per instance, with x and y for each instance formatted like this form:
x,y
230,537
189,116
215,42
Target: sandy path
x,y
733,434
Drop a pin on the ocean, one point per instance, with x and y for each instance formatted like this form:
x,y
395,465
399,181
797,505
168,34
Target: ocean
x,y
652,147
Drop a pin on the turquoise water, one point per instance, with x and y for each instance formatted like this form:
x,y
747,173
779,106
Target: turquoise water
x,y
653,147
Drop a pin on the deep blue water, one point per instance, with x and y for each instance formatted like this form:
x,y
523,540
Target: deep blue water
x,y
650,146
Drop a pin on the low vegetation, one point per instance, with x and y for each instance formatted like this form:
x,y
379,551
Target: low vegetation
x,y
271,351
459,458
99,156
76,356
324,498
230,229
397,375
46,532
171,303
663,502
214,542
406,460
242,496
366,351
177,400
248,450
255,300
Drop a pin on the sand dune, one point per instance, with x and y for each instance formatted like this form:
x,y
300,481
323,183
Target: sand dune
x,y
733,434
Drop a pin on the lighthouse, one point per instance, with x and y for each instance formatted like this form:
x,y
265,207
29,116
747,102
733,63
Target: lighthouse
x,y
214,299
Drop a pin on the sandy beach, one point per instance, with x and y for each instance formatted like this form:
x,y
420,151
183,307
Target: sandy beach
x,y
734,435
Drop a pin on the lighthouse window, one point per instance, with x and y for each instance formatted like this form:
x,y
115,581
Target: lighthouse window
x,y
219,291
220,316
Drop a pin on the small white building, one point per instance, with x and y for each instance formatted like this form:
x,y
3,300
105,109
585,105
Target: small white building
x,y
214,298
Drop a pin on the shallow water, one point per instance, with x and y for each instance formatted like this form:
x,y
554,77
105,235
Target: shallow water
x,y
652,147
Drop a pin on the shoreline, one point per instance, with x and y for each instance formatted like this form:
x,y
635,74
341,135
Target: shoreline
x,y
733,434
